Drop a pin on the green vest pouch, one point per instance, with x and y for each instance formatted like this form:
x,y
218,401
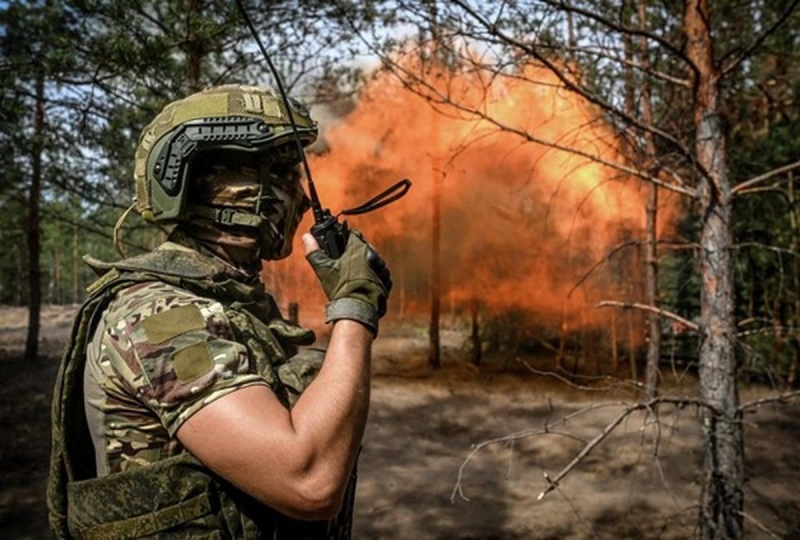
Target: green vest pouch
x,y
183,503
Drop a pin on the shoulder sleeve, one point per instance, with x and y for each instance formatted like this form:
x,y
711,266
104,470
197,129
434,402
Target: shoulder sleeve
x,y
174,351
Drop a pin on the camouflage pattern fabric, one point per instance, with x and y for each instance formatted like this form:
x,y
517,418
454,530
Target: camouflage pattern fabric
x,y
163,335
159,356
162,352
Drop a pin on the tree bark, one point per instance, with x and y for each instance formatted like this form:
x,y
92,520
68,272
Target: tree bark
x,y
34,265
795,320
434,347
651,295
475,333
723,502
76,290
437,172
55,296
651,252
195,47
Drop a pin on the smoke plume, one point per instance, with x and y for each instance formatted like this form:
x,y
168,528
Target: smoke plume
x,y
523,219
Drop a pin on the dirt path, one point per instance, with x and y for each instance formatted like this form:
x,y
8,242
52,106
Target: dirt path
x,y
420,432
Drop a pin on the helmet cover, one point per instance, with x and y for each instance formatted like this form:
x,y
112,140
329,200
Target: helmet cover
x,y
248,121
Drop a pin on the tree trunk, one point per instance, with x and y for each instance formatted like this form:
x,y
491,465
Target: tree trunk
x,y
475,333
434,349
723,502
55,294
437,173
34,268
562,343
76,289
651,295
651,252
791,376
21,298
631,346
195,47
614,348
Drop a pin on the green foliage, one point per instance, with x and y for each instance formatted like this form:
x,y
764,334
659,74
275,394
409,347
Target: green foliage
x,y
108,67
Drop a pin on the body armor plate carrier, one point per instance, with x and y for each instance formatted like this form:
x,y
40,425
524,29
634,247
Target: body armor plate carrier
x,y
176,497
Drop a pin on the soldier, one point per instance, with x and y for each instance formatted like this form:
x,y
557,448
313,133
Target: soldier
x,y
184,406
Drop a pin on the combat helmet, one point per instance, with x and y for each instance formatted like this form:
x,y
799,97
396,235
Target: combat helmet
x,y
247,119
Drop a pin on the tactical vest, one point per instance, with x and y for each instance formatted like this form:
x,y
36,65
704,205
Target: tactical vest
x,y
176,497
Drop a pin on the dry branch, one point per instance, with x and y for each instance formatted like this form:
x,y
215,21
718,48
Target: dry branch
x,y
650,406
553,482
780,398
742,188
611,382
652,309
546,430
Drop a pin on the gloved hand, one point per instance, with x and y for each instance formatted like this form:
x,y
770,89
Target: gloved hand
x,y
357,284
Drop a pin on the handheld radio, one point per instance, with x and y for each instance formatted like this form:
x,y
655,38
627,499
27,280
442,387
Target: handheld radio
x,y
329,232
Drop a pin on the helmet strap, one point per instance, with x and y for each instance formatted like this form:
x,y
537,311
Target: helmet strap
x,y
118,229
226,216
261,227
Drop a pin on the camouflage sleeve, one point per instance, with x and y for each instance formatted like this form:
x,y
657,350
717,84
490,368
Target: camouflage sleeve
x,y
174,351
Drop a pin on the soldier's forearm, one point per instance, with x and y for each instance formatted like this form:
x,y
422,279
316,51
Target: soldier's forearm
x,y
332,412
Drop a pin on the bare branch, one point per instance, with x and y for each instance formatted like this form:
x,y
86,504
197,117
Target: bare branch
x,y
435,96
616,382
652,309
546,430
775,330
621,29
780,398
760,525
630,63
630,408
552,483
766,247
397,70
759,39
602,261
742,188
571,85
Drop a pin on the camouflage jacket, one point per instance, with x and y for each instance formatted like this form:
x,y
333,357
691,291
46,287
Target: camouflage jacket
x,y
160,336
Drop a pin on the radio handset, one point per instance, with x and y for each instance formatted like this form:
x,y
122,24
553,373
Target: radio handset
x,y
331,235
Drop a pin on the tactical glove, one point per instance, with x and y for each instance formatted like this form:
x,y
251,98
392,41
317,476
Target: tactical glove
x,y
357,284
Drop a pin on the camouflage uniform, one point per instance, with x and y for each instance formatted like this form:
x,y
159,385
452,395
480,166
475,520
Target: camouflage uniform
x,y
165,334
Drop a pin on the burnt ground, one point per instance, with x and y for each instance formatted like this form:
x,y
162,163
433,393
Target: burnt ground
x,y
496,428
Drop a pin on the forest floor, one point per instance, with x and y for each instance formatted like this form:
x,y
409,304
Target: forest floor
x,y
462,453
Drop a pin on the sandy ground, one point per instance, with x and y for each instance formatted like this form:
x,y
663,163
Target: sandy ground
x,y
462,453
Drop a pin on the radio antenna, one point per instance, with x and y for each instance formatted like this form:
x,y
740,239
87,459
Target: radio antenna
x,y
329,233
316,206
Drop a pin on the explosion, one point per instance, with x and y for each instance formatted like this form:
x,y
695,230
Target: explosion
x,y
523,220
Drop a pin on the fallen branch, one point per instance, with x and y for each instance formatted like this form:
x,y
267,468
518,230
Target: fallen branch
x,y
650,405
546,430
552,483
